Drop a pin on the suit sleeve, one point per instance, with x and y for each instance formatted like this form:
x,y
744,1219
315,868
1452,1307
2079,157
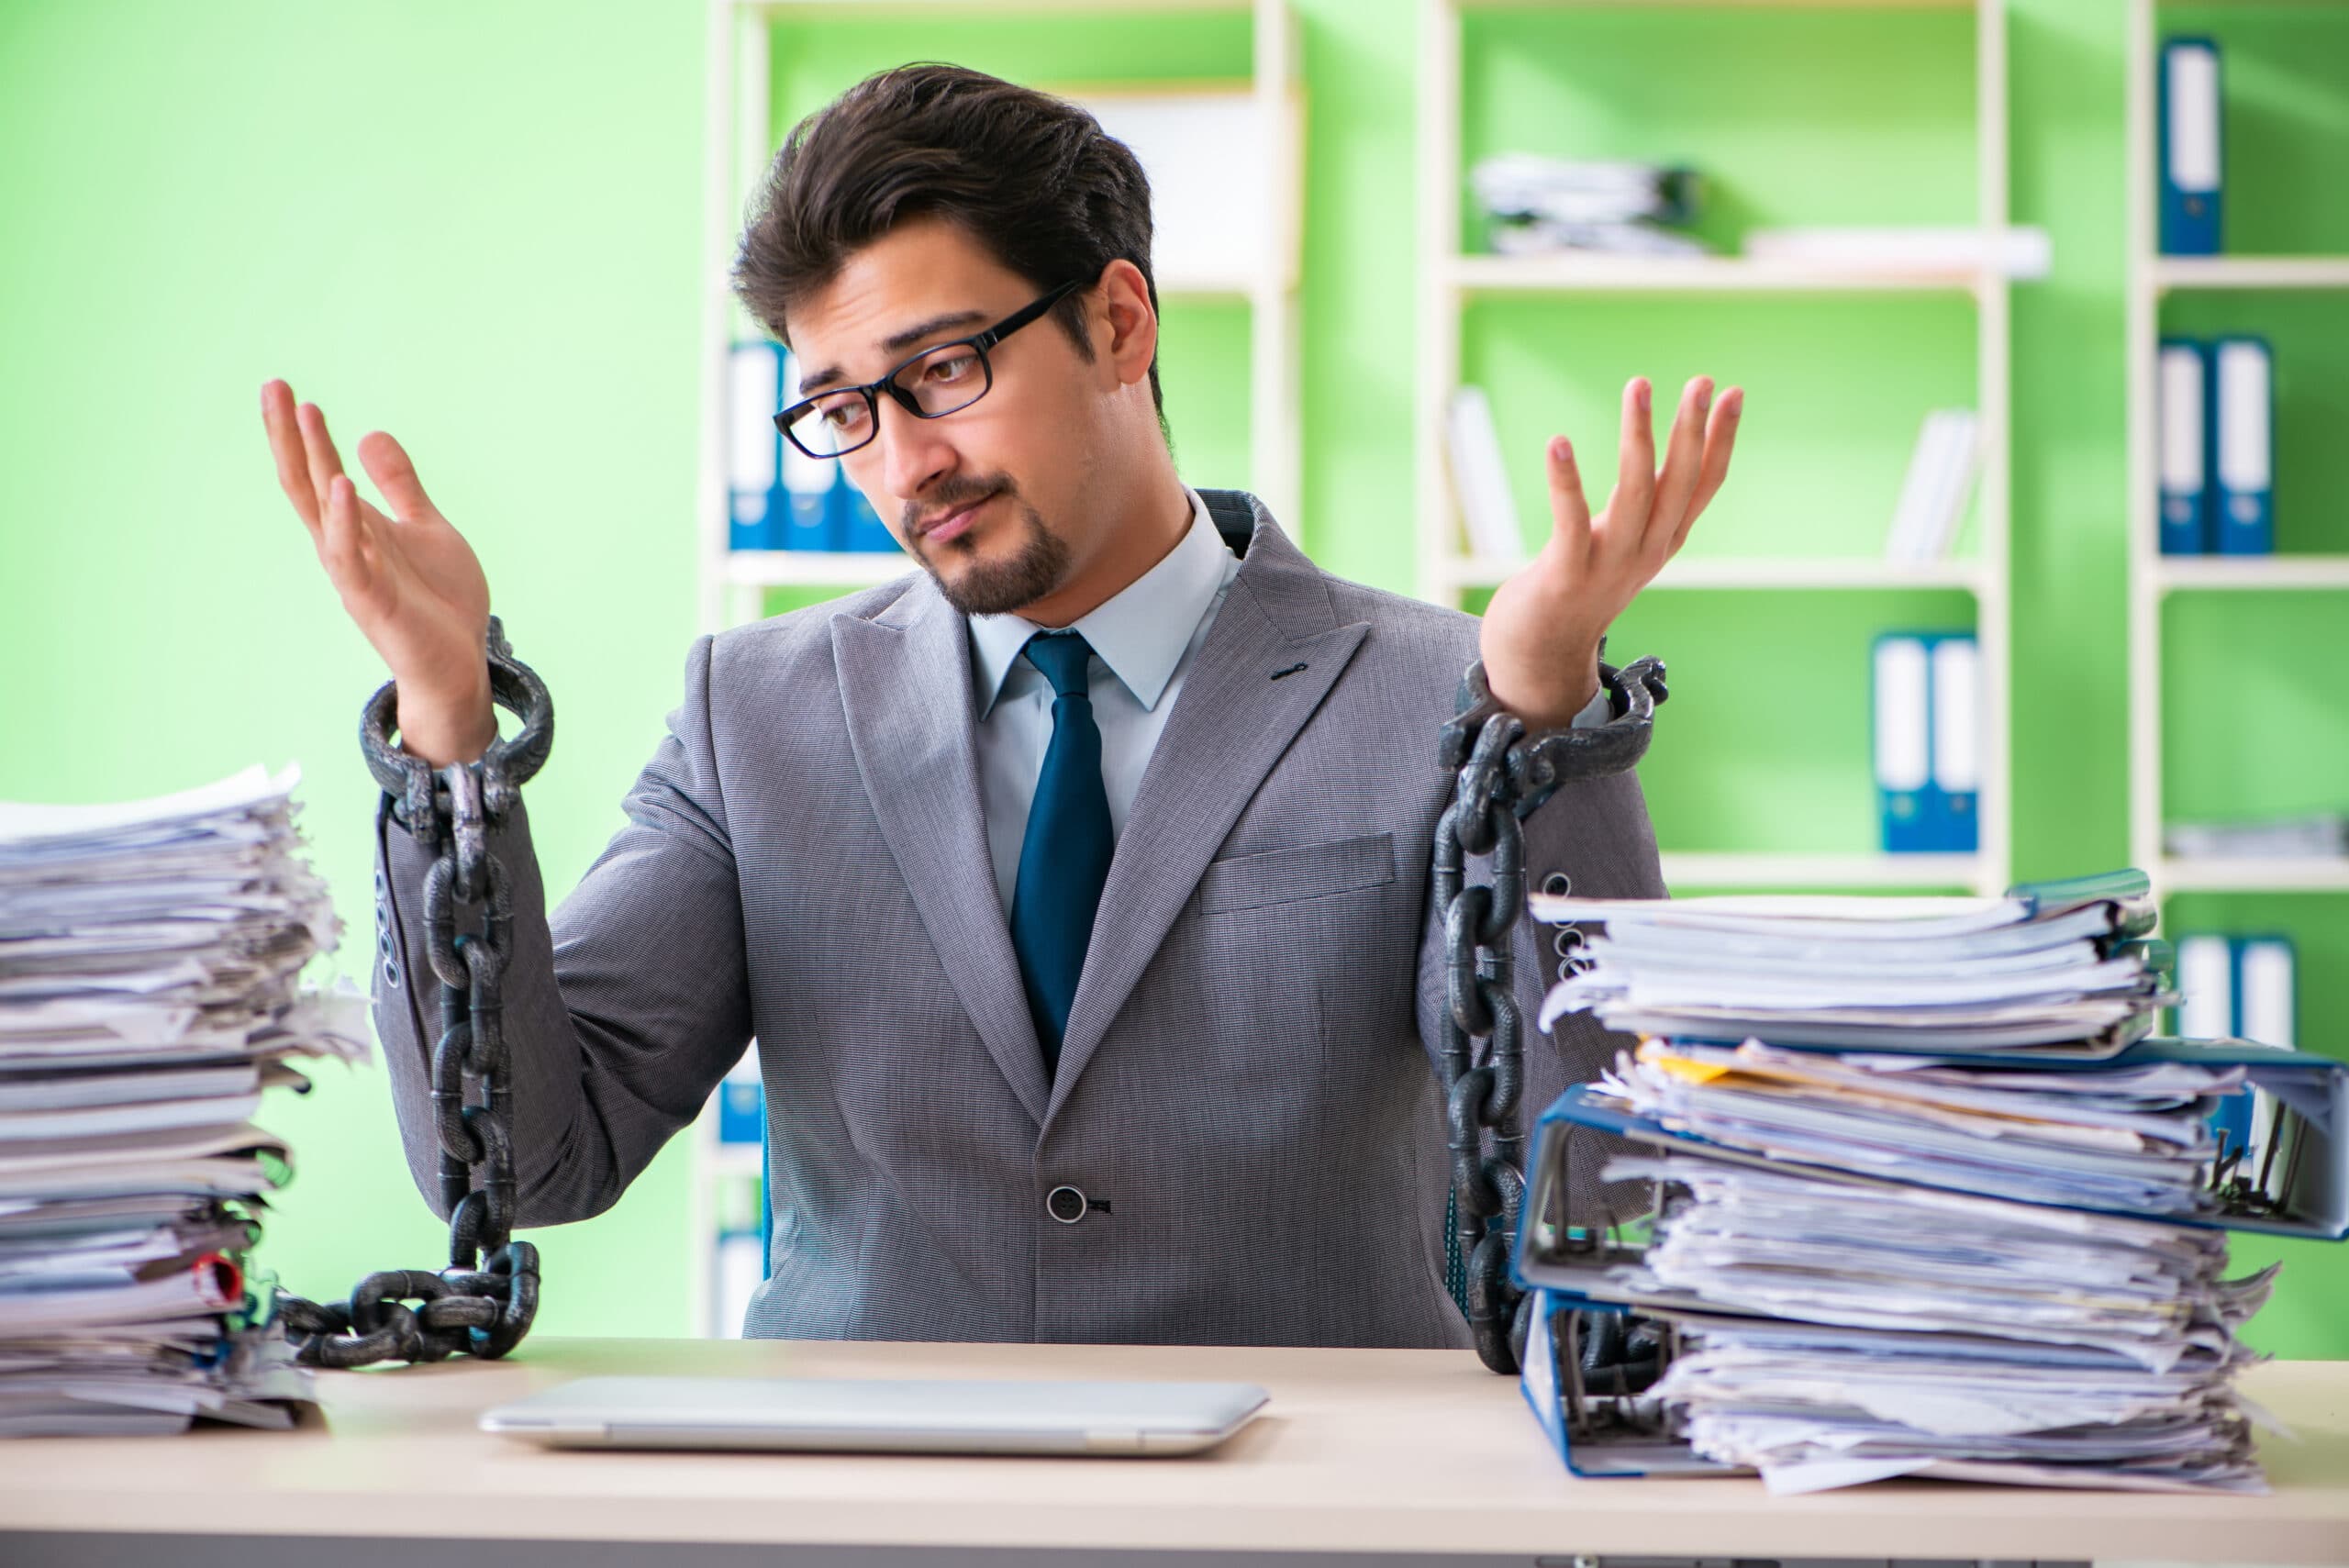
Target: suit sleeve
x,y
622,1013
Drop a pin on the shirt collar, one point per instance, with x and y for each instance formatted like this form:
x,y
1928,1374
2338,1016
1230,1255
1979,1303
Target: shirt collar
x,y
1140,632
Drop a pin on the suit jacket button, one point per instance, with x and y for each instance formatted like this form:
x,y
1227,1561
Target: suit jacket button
x,y
1065,1205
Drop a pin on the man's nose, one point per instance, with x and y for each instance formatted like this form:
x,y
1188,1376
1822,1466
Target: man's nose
x,y
914,452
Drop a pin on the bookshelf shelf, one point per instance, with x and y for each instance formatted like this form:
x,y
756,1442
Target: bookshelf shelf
x,y
2173,573
1742,869
1451,280
1474,571
814,568
736,1160
2168,273
2273,874
1478,274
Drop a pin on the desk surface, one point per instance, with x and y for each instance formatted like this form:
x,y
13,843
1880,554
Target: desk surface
x,y
1366,1451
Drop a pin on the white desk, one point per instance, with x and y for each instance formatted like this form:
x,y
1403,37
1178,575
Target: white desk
x,y
1420,1454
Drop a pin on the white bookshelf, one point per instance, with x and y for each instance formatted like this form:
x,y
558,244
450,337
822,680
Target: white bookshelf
x,y
2152,576
738,143
1449,281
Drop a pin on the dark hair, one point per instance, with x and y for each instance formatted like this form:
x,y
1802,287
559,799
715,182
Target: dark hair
x,y
1033,178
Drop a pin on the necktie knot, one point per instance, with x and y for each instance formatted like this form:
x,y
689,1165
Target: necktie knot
x,y
1062,656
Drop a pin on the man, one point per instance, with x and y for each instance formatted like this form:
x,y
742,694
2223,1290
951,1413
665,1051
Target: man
x,y
1077,887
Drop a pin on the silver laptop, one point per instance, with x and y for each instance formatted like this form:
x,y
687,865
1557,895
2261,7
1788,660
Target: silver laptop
x,y
914,1416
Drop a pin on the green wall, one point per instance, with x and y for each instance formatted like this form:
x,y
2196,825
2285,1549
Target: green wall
x,y
478,227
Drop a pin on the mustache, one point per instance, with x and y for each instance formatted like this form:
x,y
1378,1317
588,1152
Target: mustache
x,y
950,498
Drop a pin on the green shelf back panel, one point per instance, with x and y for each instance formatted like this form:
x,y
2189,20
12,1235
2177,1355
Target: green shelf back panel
x,y
1835,391
1794,116
2254,721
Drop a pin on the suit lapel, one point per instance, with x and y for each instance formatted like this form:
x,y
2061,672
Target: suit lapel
x,y
1232,719
906,685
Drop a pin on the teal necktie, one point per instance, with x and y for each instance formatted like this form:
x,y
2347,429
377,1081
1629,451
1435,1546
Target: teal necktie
x,y
1065,857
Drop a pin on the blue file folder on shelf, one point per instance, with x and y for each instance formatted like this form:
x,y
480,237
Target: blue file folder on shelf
x,y
2190,156
2242,447
858,526
2186,407
1926,740
809,518
753,456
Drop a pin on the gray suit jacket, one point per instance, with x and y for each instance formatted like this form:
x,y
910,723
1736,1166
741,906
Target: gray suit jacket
x,y
1245,1092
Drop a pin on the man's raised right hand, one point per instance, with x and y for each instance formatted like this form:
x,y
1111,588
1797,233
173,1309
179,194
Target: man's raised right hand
x,y
408,580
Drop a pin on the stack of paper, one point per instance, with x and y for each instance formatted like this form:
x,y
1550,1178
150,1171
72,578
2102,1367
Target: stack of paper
x,y
148,993
2136,1138
1857,1332
2053,966
1993,1265
1536,204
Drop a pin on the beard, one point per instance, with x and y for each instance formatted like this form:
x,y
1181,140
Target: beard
x,y
1038,564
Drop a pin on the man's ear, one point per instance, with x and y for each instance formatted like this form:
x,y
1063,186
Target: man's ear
x,y
1126,332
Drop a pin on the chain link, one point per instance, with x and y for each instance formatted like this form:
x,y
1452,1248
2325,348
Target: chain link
x,y
482,1304
1504,775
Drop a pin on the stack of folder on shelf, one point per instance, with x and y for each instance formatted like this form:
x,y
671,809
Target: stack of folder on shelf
x,y
2217,445
1535,204
1925,692
777,497
149,994
1933,1202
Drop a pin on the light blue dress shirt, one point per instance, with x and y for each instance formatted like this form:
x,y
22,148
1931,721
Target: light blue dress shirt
x,y
1145,636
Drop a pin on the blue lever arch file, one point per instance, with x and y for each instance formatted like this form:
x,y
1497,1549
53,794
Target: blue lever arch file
x,y
2184,422
752,445
1926,740
2190,158
2242,449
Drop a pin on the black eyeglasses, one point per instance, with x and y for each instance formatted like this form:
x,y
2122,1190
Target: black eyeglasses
x,y
942,379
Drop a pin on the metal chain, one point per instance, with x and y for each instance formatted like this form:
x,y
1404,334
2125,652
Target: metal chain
x,y
1504,775
482,1304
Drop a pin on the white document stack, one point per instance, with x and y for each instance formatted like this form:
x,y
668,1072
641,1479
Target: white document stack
x,y
1536,204
1898,973
148,993
1886,1263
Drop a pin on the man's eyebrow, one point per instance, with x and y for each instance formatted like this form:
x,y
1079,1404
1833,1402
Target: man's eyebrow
x,y
895,343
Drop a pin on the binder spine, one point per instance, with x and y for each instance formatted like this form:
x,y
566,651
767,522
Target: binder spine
x,y
1903,744
2189,154
754,446
859,526
1953,692
2185,400
2242,451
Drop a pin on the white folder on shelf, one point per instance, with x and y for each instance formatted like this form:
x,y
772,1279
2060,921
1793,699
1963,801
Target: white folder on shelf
x,y
1479,479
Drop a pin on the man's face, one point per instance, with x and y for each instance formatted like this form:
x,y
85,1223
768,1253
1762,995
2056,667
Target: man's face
x,y
987,498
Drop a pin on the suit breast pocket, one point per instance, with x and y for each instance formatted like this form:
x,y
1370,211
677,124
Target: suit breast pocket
x,y
1308,871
